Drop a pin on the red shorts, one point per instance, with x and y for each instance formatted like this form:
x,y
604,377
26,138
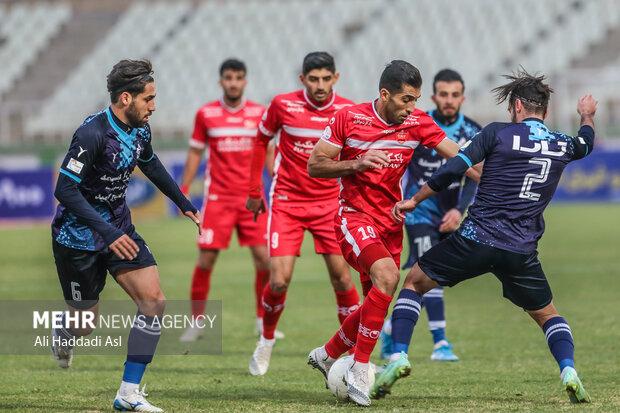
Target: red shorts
x,y
221,216
287,224
356,231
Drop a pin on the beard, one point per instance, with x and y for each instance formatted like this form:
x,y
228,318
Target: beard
x,y
133,116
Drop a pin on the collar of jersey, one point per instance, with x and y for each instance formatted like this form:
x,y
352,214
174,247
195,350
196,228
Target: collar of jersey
x,y
451,129
377,113
127,138
230,108
534,120
309,101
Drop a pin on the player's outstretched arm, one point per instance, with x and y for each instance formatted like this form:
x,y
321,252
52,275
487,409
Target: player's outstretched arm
x,y
323,161
584,142
447,148
157,173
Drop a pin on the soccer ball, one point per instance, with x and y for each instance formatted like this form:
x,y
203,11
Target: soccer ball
x,y
336,379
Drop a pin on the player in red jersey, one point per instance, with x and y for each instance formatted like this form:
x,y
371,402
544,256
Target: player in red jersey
x,y
298,202
225,130
369,146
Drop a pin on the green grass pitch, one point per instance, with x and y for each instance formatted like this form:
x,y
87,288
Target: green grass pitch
x,y
505,365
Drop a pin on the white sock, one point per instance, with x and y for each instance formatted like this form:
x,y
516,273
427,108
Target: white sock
x,y
266,341
128,388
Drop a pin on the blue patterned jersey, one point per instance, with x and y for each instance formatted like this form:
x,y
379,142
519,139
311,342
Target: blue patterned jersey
x,y
523,164
425,162
102,155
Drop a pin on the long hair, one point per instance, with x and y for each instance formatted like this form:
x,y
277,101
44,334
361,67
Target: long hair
x,y
532,90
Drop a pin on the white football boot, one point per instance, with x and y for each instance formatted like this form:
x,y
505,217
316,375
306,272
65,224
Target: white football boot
x,y
63,355
134,402
259,364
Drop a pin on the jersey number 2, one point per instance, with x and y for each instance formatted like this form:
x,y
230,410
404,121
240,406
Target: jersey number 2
x,y
531,178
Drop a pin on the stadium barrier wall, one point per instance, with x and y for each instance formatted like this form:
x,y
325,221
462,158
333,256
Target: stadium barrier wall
x,y
27,193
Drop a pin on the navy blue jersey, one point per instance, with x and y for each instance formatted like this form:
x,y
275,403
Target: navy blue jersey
x,y
523,163
101,158
427,161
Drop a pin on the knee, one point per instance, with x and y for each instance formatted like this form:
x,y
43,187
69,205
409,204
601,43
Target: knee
x,y
279,286
152,303
387,280
206,260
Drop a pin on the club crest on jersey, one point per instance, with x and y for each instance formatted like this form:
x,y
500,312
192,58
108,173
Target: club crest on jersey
x,y
327,133
401,136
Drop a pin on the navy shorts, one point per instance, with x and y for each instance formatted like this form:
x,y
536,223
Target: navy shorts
x,y
82,274
457,259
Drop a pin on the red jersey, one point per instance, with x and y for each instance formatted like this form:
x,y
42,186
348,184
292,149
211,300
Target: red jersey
x,y
358,129
300,123
228,136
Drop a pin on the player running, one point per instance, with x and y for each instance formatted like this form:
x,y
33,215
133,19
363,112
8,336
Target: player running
x,y
225,130
92,231
298,202
523,163
436,218
369,146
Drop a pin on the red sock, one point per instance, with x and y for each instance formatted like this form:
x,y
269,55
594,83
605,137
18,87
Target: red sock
x,y
347,301
201,282
373,312
262,277
273,303
345,337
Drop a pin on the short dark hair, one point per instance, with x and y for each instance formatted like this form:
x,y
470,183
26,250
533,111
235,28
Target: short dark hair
x,y
397,73
318,60
447,75
129,76
533,92
233,64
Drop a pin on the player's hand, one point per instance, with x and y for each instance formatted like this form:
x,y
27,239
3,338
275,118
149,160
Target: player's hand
x,y
373,159
586,106
402,207
124,248
255,205
451,221
195,217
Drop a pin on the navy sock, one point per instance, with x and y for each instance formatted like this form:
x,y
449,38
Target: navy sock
x,y
433,301
141,344
560,341
404,318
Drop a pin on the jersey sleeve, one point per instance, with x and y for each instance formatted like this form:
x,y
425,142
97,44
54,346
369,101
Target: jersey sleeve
x,y
147,153
199,135
428,133
335,132
81,155
583,143
475,150
470,154
271,120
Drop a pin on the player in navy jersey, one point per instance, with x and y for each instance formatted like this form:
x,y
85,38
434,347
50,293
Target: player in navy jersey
x,y
523,163
436,217
92,231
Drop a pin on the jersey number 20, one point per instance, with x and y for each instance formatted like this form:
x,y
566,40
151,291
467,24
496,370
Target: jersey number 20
x,y
531,178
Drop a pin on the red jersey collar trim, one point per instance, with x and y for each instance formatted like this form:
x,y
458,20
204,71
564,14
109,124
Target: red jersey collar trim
x,y
377,113
230,108
309,102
